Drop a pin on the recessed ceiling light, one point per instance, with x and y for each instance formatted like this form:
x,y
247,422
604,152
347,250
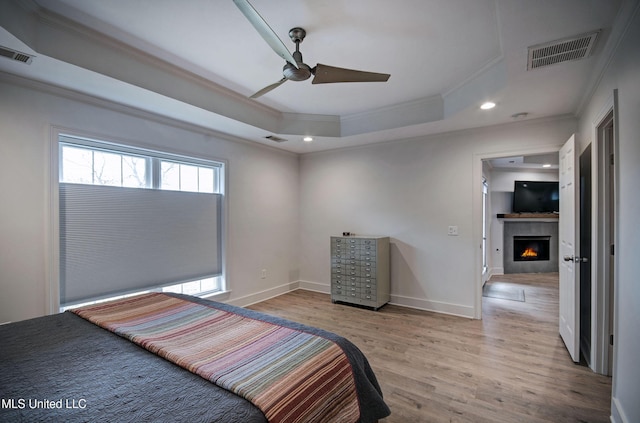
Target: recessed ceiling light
x,y
546,165
307,139
488,105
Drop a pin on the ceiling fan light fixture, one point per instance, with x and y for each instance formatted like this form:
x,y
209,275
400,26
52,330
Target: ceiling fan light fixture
x,y
488,105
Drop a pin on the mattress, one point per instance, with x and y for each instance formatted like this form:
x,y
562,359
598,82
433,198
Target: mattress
x,y
64,368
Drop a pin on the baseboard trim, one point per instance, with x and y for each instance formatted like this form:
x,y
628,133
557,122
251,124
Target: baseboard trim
x,y
403,301
493,271
257,297
617,413
399,300
315,286
435,306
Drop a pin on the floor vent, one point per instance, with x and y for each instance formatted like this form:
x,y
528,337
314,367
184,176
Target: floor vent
x,y
275,139
15,55
565,50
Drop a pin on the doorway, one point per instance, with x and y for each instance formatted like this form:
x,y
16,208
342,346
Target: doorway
x,y
604,245
585,255
495,198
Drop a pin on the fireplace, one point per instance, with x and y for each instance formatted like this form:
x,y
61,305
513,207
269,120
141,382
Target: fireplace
x,y
531,248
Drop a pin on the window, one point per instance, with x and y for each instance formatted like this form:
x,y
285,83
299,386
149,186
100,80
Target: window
x,y
185,177
84,165
133,219
86,162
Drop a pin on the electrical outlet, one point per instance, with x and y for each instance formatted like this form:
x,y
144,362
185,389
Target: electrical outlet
x,y
263,274
453,231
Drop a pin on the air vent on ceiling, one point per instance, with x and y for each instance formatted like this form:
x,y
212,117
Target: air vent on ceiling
x,y
565,50
274,138
15,55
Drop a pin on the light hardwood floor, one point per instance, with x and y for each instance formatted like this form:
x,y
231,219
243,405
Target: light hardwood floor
x,y
511,366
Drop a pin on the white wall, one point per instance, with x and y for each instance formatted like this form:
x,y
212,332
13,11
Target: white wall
x,y
263,194
623,74
411,191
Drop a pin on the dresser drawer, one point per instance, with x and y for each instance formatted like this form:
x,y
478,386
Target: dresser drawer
x,y
360,270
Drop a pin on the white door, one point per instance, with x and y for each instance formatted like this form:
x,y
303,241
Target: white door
x,y
569,277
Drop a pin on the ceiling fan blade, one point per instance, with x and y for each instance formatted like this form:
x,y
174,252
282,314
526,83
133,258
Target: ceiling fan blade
x,y
328,74
269,88
265,30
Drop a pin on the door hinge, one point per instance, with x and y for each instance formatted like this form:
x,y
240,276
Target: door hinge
x,y
611,160
611,339
612,249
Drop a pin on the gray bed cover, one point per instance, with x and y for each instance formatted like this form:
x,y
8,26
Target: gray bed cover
x,y
63,368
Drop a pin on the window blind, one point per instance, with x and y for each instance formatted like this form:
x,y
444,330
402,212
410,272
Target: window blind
x,y
115,240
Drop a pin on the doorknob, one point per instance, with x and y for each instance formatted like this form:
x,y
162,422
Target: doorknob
x,y
576,259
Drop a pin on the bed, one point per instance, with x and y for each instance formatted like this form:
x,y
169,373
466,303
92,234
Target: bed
x,y
171,357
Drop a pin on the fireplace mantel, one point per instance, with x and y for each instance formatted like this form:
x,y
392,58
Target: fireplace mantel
x,y
529,217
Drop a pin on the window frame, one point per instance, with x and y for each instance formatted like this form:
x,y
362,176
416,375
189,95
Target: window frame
x,y
64,136
154,158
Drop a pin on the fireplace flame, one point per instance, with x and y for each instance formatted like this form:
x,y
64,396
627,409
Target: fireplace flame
x,y
529,252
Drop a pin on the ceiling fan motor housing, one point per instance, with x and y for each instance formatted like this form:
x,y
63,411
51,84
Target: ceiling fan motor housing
x,y
302,73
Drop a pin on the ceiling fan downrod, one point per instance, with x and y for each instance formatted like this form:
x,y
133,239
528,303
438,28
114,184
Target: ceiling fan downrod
x,y
303,72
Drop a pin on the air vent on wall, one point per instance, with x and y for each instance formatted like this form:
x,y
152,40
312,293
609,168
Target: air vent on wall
x,y
15,55
565,50
275,139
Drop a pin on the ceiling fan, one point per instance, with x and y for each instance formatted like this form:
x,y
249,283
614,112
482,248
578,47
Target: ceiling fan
x,y
295,69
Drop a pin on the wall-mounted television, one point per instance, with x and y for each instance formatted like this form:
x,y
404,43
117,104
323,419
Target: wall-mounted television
x,y
536,197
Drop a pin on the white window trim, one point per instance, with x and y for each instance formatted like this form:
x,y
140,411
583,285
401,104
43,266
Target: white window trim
x,y
52,199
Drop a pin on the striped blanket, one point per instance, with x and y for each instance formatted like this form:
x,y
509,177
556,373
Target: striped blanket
x,y
289,374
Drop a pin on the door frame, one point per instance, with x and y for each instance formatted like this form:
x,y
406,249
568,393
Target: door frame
x,y
602,237
478,158
585,244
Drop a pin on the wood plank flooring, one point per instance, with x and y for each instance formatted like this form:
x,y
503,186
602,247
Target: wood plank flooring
x,y
511,366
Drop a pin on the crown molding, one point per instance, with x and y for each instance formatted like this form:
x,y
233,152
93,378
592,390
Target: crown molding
x,y
128,60
128,110
415,112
